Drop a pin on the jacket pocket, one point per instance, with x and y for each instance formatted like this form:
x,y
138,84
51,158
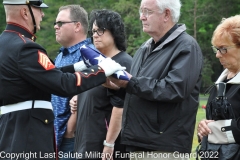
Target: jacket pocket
x,y
44,115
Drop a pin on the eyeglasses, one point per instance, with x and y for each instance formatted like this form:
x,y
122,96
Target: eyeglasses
x,y
145,12
222,50
99,31
60,23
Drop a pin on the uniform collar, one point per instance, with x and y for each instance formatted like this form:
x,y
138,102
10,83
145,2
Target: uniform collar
x,y
22,30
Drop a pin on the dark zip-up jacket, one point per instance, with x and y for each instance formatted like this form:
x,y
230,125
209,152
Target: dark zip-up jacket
x,y
162,96
233,97
231,127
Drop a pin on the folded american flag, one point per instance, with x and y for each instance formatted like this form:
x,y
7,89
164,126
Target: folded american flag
x,y
92,56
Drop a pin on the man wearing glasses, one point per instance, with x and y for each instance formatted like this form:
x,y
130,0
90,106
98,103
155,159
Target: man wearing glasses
x,y
27,80
162,95
71,32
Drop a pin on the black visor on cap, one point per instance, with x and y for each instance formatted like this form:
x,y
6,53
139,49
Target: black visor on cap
x,y
38,4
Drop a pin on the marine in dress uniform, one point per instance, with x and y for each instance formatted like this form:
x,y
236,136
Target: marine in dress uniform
x,y
27,80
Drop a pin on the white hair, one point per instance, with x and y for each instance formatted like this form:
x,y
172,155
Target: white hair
x,y
173,5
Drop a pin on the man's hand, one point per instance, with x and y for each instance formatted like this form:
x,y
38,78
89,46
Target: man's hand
x,y
110,85
120,83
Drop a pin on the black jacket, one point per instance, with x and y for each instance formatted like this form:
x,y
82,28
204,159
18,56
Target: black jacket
x,y
162,96
233,97
232,93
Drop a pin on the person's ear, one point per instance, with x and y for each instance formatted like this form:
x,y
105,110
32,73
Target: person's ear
x,y
167,15
78,27
24,13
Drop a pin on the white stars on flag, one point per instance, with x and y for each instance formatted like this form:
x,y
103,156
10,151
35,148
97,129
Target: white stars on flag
x,y
99,58
120,73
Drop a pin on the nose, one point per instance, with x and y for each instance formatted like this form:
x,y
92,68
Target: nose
x,y
42,13
142,17
55,26
218,54
95,34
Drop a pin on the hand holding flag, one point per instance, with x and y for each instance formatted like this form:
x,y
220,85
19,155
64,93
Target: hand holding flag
x,y
92,56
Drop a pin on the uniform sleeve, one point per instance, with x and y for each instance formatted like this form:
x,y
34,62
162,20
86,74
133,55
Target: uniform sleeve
x,y
182,75
36,68
69,68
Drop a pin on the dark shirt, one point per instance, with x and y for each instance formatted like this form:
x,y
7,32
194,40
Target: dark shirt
x,y
154,45
94,113
227,86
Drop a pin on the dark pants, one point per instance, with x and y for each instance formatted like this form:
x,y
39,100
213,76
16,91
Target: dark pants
x,y
66,149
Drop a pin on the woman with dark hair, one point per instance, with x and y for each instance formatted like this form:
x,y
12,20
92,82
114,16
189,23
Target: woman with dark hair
x,y
99,113
111,21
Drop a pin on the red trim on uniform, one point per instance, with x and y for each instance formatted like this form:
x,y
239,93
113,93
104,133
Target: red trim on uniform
x,y
22,27
78,78
90,74
21,37
44,61
17,34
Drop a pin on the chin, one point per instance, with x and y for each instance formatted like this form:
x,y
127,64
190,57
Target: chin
x,y
145,30
97,45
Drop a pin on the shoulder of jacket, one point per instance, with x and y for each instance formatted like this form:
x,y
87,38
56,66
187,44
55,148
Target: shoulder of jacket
x,y
20,37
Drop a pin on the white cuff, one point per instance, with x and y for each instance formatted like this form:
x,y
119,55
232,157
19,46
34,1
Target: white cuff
x,y
110,66
79,66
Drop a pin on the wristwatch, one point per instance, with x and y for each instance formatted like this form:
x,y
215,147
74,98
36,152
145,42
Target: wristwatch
x,y
108,144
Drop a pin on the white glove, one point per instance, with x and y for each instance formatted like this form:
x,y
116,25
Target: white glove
x,y
110,66
79,66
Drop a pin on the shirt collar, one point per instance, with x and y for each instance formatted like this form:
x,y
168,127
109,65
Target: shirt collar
x,y
154,45
75,47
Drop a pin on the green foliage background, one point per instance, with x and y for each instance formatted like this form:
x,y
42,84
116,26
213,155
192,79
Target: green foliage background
x,y
200,16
